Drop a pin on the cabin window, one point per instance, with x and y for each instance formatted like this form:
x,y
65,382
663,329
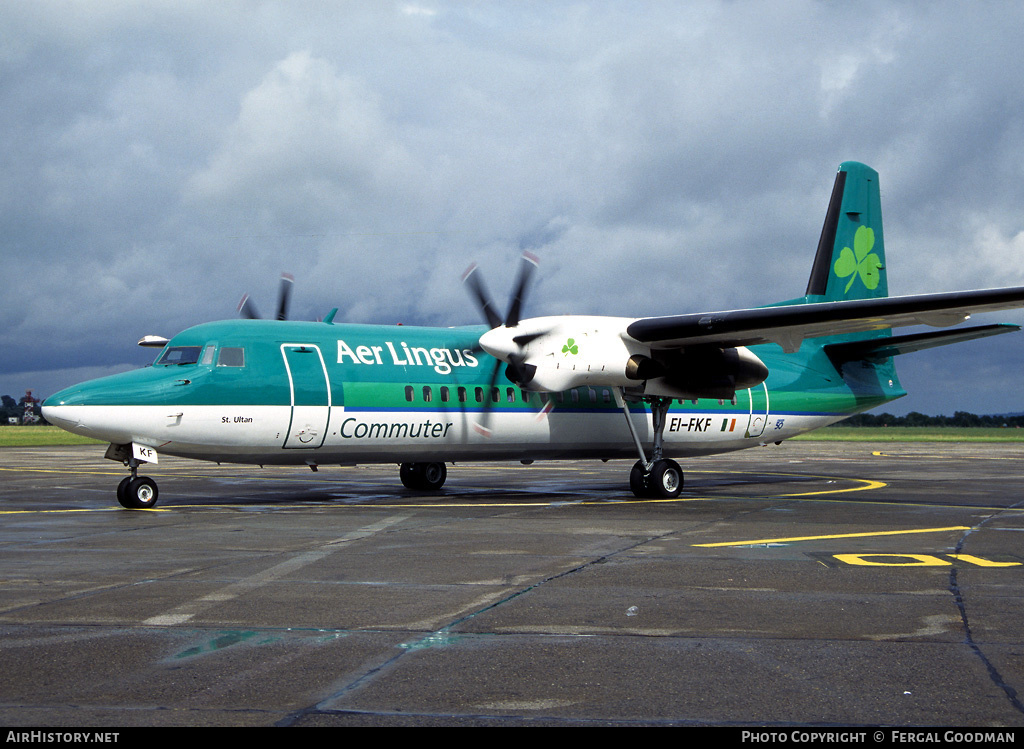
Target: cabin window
x,y
445,394
428,394
231,356
526,395
462,395
180,355
575,396
510,395
408,393
495,394
606,395
479,395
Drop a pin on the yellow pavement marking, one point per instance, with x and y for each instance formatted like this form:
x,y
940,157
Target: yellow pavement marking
x,y
868,484
81,509
836,535
983,562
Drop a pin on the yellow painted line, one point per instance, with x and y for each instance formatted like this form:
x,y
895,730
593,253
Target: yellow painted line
x,y
868,484
984,562
83,509
837,535
920,560
880,454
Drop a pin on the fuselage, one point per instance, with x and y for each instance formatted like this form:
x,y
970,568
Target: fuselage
x,y
272,392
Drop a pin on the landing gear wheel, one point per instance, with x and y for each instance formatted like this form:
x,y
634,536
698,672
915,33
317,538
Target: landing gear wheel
x,y
409,473
433,476
665,480
423,476
122,492
638,481
139,494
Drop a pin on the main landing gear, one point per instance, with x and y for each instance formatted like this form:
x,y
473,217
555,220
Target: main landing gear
x,y
659,477
423,476
137,492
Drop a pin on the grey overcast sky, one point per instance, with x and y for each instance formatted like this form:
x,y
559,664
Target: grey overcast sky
x,y
161,158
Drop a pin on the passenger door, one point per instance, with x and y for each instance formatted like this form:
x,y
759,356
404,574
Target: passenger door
x,y
310,395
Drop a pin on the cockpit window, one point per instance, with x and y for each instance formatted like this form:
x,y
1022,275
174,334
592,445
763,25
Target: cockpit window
x,y
231,357
180,355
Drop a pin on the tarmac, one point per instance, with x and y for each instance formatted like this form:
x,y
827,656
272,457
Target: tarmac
x,y
807,584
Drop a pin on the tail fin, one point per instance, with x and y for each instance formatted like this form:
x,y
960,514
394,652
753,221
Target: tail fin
x,y
850,263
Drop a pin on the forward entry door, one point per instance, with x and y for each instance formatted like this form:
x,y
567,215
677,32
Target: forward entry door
x,y
310,394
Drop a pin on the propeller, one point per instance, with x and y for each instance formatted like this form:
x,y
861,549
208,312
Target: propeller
x,y
248,310
517,370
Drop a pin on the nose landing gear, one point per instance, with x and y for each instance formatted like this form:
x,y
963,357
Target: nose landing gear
x,y
137,492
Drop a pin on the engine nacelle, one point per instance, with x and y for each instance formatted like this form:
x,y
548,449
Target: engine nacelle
x,y
590,357
706,372
552,354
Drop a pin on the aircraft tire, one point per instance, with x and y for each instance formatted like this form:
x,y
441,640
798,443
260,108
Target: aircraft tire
x,y
122,492
423,476
638,481
433,476
666,479
409,473
140,494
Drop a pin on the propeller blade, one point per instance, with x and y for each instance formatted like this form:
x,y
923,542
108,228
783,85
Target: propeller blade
x,y
247,309
527,338
476,285
526,268
287,281
482,426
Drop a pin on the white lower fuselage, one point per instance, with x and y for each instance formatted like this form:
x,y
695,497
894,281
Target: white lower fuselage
x,y
336,435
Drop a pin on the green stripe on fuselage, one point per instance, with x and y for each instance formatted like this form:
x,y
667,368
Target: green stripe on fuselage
x,y
371,367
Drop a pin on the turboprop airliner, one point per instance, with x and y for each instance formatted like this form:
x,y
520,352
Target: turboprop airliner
x,y
648,389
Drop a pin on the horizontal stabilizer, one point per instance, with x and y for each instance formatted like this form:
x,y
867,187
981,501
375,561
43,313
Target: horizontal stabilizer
x,y
883,348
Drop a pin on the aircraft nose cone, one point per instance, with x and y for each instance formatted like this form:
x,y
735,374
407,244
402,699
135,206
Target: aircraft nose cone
x,y
59,409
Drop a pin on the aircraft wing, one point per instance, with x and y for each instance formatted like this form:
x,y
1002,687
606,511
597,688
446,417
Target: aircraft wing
x,y
788,326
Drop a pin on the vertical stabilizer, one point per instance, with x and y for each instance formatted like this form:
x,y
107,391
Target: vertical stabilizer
x,y
850,262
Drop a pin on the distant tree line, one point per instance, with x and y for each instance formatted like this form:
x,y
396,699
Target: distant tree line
x,y
915,419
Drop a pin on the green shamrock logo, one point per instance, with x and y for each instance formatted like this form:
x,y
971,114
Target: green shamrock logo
x,y
570,347
860,261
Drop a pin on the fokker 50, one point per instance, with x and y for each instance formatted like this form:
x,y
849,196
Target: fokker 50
x,y
651,389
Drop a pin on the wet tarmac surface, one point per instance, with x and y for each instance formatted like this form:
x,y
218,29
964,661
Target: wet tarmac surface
x,y
806,584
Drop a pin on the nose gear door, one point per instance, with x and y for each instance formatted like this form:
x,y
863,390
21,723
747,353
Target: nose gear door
x,y
310,395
